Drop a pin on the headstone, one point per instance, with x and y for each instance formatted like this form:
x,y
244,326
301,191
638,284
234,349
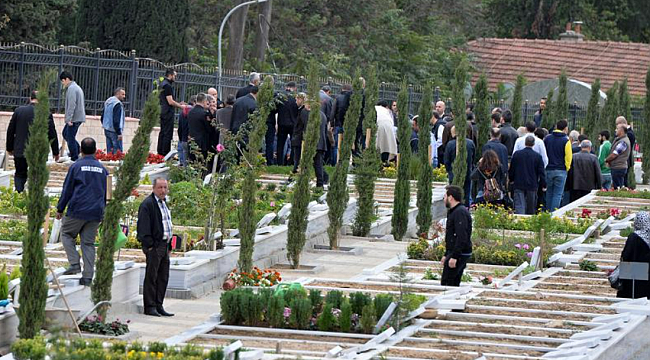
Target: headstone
x,y
319,207
311,205
170,155
266,220
234,233
231,242
181,261
384,318
332,353
264,230
514,273
229,351
285,211
387,237
535,258
123,265
322,198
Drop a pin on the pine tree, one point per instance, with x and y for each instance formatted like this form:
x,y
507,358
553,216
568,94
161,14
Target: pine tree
x,y
610,110
517,101
246,212
482,111
33,294
645,132
402,194
593,112
548,120
338,196
128,177
366,172
459,167
425,178
298,217
561,108
624,101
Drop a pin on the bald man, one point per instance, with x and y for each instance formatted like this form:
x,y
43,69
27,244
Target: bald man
x,y
214,93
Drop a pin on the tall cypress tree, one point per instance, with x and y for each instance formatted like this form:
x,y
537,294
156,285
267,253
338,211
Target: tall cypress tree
x,y
561,108
593,112
548,120
482,111
517,101
338,196
425,178
459,167
624,101
610,110
645,132
366,172
128,177
402,194
246,212
33,292
298,218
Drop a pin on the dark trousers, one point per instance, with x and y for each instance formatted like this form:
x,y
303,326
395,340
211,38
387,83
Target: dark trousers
x,y
283,133
296,153
156,275
577,194
359,142
166,134
451,277
525,202
618,178
20,177
270,141
70,136
322,177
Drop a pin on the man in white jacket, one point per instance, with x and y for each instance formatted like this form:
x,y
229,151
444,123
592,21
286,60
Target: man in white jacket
x,y
386,140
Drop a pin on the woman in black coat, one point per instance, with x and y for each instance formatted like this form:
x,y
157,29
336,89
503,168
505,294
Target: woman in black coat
x,y
637,249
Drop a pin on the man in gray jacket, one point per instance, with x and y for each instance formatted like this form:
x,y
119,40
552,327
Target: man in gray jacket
x,y
584,175
75,113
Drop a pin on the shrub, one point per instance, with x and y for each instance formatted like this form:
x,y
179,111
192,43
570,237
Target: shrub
x,y
264,295
368,321
157,347
425,178
416,249
230,309
399,221
345,318
275,312
29,349
381,303
251,307
334,298
4,283
586,265
216,354
316,299
118,347
301,312
326,320
294,293
627,231
413,301
358,301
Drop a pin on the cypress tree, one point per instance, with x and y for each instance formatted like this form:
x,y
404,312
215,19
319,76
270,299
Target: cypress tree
x,y
645,132
593,112
246,212
366,172
459,167
33,292
624,101
128,177
298,217
402,194
517,101
610,110
482,111
561,108
548,120
338,196
425,178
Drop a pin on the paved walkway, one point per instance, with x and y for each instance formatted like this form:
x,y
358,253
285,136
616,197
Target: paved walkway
x,y
190,313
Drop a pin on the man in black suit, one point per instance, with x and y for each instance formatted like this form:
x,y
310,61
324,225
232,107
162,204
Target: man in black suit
x,y
254,81
199,125
155,233
287,112
243,107
18,134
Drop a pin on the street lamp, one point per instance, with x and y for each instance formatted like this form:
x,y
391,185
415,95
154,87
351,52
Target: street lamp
x,y
223,24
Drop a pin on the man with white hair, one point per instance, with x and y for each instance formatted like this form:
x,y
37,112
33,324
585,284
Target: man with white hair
x,y
215,94
584,175
254,81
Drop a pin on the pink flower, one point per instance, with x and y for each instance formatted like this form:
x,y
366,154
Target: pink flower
x,y
220,148
287,312
529,254
526,247
518,246
272,204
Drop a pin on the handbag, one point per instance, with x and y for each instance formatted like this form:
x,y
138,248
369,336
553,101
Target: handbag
x,y
614,280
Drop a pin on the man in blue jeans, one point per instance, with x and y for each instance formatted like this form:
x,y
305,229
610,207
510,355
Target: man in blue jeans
x,y
617,159
558,149
75,113
113,120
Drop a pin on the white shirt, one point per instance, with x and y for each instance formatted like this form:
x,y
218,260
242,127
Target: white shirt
x,y
539,146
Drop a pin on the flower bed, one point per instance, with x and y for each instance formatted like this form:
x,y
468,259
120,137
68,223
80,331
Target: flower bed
x,y
95,325
119,156
257,277
625,193
498,217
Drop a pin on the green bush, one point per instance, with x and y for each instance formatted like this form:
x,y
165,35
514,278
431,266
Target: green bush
x,y
4,283
316,299
627,231
301,312
368,321
29,349
381,303
275,312
188,201
345,318
216,354
334,298
326,320
587,265
251,307
358,301
413,301
294,293
230,309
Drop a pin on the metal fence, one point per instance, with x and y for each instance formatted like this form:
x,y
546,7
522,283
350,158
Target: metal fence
x,y
100,72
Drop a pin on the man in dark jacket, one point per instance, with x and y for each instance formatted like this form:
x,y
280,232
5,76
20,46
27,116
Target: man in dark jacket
x,y
287,116
527,175
322,177
458,237
538,117
199,126
558,150
184,133
112,118
584,175
243,107
450,156
84,195
224,117
508,134
254,81
155,234
18,134
339,109
632,137
495,145
167,105
299,130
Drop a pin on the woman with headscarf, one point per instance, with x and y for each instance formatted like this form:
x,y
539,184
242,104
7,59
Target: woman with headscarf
x,y
637,249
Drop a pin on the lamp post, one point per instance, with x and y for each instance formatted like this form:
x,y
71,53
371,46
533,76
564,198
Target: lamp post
x,y
223,24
